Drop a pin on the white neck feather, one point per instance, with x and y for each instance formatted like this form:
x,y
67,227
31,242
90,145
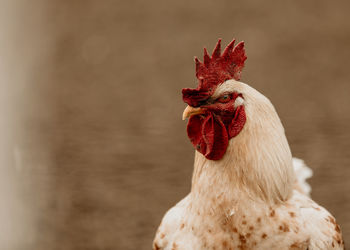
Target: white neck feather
x,y
258,161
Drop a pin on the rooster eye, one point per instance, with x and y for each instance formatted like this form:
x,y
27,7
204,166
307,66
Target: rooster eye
x,y
225,98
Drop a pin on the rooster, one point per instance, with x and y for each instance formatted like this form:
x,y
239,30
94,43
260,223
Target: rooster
x,y
247,191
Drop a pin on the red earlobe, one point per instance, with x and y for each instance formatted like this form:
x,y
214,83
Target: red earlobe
x,y
237,122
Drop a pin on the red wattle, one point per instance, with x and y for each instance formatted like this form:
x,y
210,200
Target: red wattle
x,y
194,132
215,136
210,136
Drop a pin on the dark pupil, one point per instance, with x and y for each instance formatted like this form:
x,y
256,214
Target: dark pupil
x,y
225,97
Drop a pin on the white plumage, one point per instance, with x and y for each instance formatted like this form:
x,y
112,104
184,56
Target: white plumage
x,y
255,197
302,173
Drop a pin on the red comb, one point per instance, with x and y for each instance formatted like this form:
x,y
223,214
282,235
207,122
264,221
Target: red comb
x,y
215,70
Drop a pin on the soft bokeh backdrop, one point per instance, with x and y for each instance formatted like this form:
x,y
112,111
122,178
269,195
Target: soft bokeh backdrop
x,y
95,148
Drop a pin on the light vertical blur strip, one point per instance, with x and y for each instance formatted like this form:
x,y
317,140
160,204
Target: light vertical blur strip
x,y
22,192
10,219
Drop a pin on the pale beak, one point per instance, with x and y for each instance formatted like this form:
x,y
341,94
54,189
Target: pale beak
x,y
189,111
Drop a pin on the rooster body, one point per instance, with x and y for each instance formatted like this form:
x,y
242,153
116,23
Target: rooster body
x,y
245,193
299,223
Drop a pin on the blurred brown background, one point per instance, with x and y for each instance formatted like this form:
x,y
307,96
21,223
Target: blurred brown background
x,y
94,150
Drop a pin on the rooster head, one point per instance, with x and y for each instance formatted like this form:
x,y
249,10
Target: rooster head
x,y
215,113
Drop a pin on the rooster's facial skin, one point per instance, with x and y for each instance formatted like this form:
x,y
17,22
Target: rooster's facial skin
x,y
217,120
